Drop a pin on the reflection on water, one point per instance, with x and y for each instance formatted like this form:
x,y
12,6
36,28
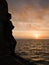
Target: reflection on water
x,y
33,49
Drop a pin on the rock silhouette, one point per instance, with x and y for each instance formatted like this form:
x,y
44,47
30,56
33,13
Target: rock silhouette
x,y
7,26
4,47
7,41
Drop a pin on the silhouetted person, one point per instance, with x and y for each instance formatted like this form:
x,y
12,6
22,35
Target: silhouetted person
x,y
7,27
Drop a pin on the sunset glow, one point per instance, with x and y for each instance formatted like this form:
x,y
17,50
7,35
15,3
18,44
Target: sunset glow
x,y
36,36
32,15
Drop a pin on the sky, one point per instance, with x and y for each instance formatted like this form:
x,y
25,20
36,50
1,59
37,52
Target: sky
x,y
30,18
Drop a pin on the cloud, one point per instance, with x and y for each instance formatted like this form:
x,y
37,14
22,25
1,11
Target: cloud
x,y
30,15
20,3
31,19
44,3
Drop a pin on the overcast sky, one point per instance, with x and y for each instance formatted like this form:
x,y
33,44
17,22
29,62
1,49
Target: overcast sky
x,y
29,16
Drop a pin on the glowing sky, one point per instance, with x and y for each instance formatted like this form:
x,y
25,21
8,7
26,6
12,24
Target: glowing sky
x,y
30,18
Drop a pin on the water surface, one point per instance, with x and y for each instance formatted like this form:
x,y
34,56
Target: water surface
x,y
33,50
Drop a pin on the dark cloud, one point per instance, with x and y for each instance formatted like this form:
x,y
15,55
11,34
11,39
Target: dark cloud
x,y
44,3
41,3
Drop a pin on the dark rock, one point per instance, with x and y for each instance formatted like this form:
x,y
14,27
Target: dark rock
x,y
7,41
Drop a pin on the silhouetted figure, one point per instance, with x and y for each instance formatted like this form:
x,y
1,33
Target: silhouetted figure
x,y
7,27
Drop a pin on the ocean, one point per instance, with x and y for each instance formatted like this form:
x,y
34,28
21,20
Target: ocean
x,y
34,50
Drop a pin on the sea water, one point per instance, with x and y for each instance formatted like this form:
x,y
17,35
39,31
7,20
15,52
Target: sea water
x,y
33,49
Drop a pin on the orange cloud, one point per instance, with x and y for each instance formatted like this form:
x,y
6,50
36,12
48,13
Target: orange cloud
x,y
30,19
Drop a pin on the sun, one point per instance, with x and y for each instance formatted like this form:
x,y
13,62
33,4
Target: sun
x,y
36,35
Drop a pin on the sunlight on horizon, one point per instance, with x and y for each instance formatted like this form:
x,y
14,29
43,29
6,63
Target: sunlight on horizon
x,y
30,34
36,34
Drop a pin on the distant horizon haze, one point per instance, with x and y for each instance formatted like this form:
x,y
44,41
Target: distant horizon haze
x,y
30,35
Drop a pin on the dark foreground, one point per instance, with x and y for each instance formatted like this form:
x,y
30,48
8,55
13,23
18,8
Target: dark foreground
x,y
17,60
11,60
